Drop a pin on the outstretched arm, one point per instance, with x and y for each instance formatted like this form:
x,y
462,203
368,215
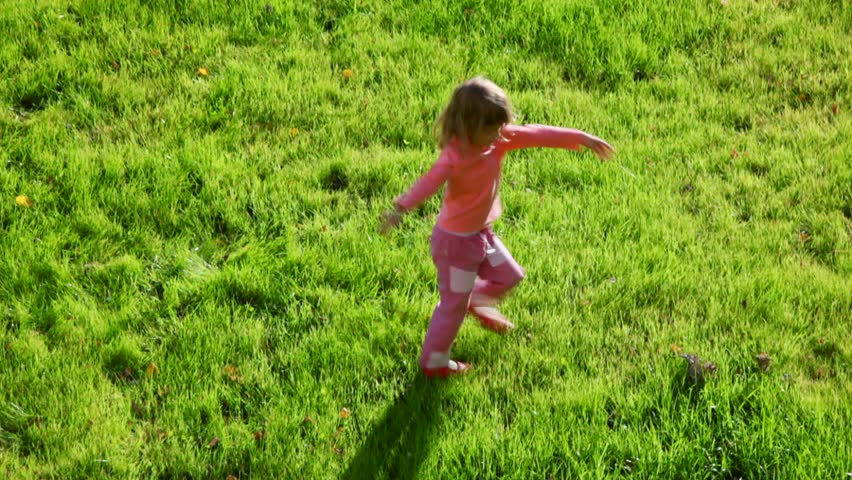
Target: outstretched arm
x,y
424,188
528,136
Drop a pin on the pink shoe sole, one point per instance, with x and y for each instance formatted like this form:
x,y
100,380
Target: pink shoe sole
x,y
492,319
444,372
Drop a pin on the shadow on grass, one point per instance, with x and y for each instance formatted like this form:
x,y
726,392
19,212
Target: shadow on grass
x,y
399,442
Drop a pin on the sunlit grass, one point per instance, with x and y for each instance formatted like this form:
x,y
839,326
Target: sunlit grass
x,y
197,288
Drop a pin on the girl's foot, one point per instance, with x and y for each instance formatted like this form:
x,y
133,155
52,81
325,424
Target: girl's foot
x,y
452,368
491,318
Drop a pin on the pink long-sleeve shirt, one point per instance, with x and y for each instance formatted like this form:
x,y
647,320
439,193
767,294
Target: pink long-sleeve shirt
x,y
471,198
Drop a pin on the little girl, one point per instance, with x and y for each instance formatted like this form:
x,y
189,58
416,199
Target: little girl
x,y
475,270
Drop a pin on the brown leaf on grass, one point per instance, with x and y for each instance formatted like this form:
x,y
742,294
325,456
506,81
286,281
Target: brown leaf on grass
x,y
214,442
233,373
126,374
24,201
696,368
116,65
804,236
345,413
152,369
763,361
834,109
187,47
259,436
155,52
734,153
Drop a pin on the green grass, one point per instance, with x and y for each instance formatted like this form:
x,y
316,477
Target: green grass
x,y
198,290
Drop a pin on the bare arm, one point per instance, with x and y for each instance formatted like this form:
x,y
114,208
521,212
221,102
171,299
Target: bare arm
x,y
529,136
425,187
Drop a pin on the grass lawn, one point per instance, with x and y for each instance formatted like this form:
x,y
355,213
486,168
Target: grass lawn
x,y
192,286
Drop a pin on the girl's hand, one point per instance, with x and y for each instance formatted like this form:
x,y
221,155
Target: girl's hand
x,y
389,220
603,150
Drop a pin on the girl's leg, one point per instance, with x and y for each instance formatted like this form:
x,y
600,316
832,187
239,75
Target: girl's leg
x,y
498,274
457,260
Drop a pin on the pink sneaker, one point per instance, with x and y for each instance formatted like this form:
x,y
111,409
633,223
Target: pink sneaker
x,y
444,372
491,318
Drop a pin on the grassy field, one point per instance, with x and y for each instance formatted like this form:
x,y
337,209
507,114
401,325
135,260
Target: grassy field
x,y
191,283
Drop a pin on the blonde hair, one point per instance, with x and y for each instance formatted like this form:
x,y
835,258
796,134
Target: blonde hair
x,y
476,106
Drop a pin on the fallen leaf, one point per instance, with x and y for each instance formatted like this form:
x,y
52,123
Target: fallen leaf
x,y
155,52
203,72
214,442
676,348
347,73
187,47
152,369
127,374
307,420
233,373
734,153
116,65
696,369
344,412
259,436
834,108
763,361
24,201
804,236
294,131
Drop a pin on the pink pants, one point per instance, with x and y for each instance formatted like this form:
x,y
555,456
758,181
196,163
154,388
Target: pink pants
x,y
480,264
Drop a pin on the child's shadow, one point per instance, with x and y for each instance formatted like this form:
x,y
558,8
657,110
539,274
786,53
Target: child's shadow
x,y
399,441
